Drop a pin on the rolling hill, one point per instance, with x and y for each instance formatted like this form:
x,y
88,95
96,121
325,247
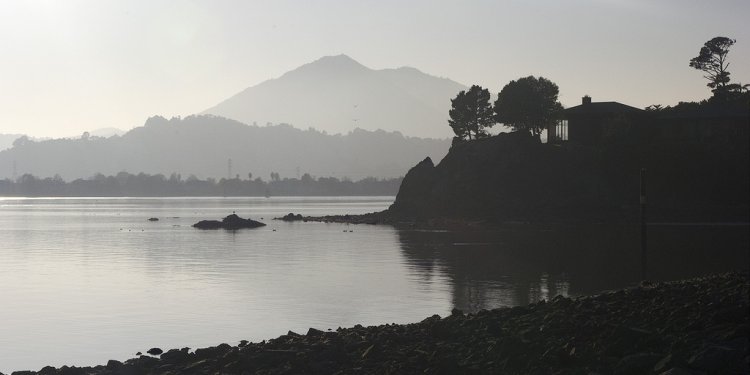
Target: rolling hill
x,y
203,145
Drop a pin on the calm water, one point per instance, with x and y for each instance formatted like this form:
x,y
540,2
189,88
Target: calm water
x,y
87,280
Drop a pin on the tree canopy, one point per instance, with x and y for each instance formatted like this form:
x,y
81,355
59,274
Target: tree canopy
x,y
471,112
712,59
528,104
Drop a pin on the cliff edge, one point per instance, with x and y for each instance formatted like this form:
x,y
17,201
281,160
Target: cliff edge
x,y
514,177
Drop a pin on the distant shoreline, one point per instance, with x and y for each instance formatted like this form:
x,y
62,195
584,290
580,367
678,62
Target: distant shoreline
x,y
140,185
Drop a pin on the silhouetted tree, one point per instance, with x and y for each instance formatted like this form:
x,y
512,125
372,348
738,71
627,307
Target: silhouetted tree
x,y
712,59
528,104
471,112
22,141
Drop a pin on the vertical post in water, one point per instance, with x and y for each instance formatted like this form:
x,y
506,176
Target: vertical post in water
x,y
644,253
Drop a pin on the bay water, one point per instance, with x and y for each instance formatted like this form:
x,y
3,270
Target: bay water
x,y
85,280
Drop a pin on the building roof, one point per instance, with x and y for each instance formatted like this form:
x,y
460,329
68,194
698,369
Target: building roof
x,y
601,108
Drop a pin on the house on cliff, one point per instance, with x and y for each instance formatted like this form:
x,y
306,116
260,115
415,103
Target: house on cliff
x,y
590,122
594,123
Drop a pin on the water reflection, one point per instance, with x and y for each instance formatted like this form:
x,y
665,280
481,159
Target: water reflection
x,y
520,264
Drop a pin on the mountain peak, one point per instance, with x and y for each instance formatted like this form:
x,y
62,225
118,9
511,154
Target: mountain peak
x,y
337,94
337,63
340,58
408,69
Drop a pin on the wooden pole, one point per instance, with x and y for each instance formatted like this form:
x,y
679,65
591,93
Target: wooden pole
x,y
644,253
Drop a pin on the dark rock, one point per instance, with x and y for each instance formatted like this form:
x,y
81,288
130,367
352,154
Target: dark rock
x,y
113,365
213,352
143,361
680,371
640,363
154,351
292,217
412,197
730,314
312,332
196,365
153,219
663,364
719,359
368,350
72,370
208,224
230,222
175,356
740,331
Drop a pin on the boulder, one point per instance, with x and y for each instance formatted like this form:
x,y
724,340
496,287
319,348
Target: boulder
x,y
113,364
292,217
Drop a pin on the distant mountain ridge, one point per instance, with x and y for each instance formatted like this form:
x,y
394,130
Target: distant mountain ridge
x,y
203,146
6,140
337,94
106,132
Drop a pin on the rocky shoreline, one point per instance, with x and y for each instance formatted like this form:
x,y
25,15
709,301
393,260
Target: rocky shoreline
x,y
696,326
387,218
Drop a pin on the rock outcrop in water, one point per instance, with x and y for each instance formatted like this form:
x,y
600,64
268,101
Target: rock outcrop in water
x,y
230,222
514,177
506,177
697,326
291,217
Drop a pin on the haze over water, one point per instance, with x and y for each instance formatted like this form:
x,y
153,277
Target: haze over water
x,y
88,280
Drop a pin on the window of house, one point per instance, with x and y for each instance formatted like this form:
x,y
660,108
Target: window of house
x,y
561,130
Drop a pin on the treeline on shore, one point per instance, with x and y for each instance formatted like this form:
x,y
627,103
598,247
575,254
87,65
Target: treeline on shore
x,y
143,185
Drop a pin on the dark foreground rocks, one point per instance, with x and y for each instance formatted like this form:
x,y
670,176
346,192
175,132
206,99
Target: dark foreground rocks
x,y
230,222
697,326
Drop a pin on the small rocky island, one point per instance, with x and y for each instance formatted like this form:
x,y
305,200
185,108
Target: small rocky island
x,y
230,222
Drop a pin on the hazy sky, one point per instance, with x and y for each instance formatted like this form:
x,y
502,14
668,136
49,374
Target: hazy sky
x,y
70,66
